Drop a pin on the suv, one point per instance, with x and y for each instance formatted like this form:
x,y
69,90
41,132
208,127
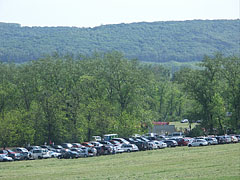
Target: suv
x,y
35,154
198,142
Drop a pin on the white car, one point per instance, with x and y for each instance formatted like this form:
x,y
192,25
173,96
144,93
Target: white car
x,y
211,140
121,140
129,147
184,121
3,158
54,154
160,144
36,154
198,142
119,149
45,153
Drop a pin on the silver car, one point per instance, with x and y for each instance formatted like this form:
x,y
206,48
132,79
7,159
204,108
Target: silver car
x,y
198,142
211,140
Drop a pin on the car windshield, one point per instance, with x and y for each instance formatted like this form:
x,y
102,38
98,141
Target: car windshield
x,y
23,150
37,151
145,139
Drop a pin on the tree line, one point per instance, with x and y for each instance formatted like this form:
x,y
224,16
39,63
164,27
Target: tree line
x,y
63,99
181,41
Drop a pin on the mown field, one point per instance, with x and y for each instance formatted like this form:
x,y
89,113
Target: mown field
x,y
220,162
181,126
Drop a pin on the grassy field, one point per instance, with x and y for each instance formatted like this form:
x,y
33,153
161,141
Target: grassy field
x,y
181,126
220,162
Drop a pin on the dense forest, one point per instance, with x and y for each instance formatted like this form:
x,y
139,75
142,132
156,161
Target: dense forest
x,y
181,41
62,99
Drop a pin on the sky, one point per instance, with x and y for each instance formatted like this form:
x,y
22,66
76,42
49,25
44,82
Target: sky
x,y
91,13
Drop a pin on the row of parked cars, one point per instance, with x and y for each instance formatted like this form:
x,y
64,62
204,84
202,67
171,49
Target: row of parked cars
x,y
112,145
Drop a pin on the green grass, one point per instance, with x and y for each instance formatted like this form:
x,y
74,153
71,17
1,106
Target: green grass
x,y
181,126
220,162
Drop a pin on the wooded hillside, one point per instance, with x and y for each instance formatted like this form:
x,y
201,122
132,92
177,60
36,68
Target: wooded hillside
x,y
180,41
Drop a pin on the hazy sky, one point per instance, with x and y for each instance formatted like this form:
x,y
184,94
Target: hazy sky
x,y
90,13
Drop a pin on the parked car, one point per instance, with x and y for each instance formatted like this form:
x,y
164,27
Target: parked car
x,y
58,148
46,153
87,144
54,154
142,145
3,152
76,145
117,146
35,154
129,147
184,141
68,154
150,144
96,138
234,139
221,140
227,138
14,155
160,144
82,152
184,121
121,140
198,142
96,143
67,145
23,152
32,147
171,143
4,158
238,136
211,140
108,147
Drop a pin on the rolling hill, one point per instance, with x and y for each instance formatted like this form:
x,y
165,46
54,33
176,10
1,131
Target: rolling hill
x,y
180,41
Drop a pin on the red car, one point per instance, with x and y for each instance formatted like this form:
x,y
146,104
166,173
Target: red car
x,y
184,141
87,144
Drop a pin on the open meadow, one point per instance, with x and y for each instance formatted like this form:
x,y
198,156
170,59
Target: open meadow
x,y
219,162
181,126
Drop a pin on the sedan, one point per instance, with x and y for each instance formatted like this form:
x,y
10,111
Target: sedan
x,y
160,144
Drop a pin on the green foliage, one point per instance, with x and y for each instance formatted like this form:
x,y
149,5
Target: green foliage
x,y
196,132
60,99
214,90
181,41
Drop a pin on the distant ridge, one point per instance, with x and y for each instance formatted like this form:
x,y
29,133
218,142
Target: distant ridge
x,y
164,41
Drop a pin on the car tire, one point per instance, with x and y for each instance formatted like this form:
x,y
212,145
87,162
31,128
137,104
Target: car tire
x,y
128,151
